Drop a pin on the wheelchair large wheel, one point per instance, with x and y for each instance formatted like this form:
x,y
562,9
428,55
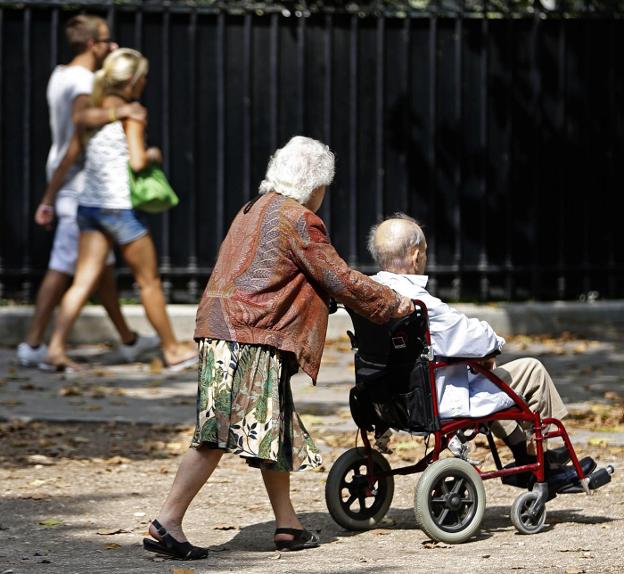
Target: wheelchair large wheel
x,y
350,501
450,501
526,514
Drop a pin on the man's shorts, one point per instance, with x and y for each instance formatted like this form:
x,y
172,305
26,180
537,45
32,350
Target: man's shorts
x,y
122,225
65,247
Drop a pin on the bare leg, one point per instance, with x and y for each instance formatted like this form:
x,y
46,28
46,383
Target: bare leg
x,y
52,287
92,253
109,297
141,257
195,469
277,485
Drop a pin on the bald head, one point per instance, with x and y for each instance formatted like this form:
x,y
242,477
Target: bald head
x,y
398,245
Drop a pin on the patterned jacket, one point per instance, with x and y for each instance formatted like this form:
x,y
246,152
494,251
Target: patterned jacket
x,y
273,278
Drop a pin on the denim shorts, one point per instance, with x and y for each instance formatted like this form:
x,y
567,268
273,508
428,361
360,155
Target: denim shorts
x,y
121,225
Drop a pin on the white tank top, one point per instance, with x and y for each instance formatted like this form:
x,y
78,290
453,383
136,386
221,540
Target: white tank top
x,y
106,169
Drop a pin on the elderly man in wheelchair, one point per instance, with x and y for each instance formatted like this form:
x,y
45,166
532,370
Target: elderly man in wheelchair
x,y
434,374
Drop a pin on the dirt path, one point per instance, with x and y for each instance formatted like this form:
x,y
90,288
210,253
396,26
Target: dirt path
x,y
77,499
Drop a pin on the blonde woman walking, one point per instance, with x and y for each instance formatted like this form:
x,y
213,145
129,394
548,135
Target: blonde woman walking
x,y
105,214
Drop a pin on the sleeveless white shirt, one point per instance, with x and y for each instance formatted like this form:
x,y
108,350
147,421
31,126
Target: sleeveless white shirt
x,y
107,183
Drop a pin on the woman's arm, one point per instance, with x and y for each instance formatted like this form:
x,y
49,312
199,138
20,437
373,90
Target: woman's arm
x,y
312,252
44,213
135,134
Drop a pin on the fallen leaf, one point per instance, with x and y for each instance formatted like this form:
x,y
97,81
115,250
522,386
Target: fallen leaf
x,y
112,546
276,556
574,571
224,527
50,522
35,496
70,391
431,544
112,531
117,460
40,459
180,570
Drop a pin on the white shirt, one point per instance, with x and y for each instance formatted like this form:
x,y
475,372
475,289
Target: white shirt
x,y
106,169
65,85
460,392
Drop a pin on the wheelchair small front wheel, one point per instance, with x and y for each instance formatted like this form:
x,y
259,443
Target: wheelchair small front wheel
x,y
450,501
351,500
528,513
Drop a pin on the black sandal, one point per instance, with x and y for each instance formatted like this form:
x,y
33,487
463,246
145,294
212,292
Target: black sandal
x,y
169,546
302,540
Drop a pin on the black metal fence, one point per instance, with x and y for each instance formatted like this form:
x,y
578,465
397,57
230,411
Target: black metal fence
x,y
502,132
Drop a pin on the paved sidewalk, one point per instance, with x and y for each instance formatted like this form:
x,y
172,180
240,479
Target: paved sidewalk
x,y
584,371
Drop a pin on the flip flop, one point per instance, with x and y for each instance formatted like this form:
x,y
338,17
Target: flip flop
x,y
169,546
183,364
302,540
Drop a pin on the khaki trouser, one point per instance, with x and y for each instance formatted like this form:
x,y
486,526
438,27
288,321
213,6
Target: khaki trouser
x,y
529,378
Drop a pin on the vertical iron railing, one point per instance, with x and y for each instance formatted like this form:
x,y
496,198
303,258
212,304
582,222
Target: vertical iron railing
x,y
448,113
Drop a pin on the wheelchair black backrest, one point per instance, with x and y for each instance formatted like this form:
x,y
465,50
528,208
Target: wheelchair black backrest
x,y
399,342
392,374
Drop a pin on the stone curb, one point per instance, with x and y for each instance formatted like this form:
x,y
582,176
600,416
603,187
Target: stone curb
x,y
603,319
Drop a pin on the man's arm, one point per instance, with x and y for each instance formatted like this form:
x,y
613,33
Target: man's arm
x,y
456,335
45,211
86,116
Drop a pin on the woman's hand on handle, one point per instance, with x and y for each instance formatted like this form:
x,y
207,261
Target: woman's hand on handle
x,y
406,307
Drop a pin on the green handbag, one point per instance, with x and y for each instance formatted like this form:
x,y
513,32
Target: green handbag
x,y
150,191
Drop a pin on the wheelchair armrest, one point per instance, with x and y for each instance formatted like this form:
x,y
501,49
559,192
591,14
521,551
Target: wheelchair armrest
x,y
451,360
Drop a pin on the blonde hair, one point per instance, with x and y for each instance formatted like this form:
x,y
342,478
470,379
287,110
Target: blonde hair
x,y
120,68
298,168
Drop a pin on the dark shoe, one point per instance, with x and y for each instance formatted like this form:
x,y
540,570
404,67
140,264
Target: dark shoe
x,y
169,546
554,460
567,476
557,457
302,539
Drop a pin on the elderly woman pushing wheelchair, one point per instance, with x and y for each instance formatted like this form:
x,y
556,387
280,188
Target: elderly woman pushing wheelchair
x,y
262,316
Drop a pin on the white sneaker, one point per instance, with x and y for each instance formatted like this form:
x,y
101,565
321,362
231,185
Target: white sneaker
x,y
27,356
142,344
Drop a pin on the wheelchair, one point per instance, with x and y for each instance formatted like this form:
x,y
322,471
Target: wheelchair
x,y
395,388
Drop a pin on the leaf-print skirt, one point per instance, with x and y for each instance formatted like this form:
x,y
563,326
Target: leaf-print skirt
x,y
245,406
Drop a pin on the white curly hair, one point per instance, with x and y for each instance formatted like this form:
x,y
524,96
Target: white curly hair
x,y
298,168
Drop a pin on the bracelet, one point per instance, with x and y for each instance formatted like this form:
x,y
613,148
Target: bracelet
x,y
112,114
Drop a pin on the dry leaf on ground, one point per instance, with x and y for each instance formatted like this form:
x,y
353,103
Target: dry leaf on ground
x,y
50,522
112,531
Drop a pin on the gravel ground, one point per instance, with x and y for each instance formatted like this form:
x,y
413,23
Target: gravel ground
x,y
77,498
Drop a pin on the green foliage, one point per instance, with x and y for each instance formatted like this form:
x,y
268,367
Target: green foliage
x,y
392,8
